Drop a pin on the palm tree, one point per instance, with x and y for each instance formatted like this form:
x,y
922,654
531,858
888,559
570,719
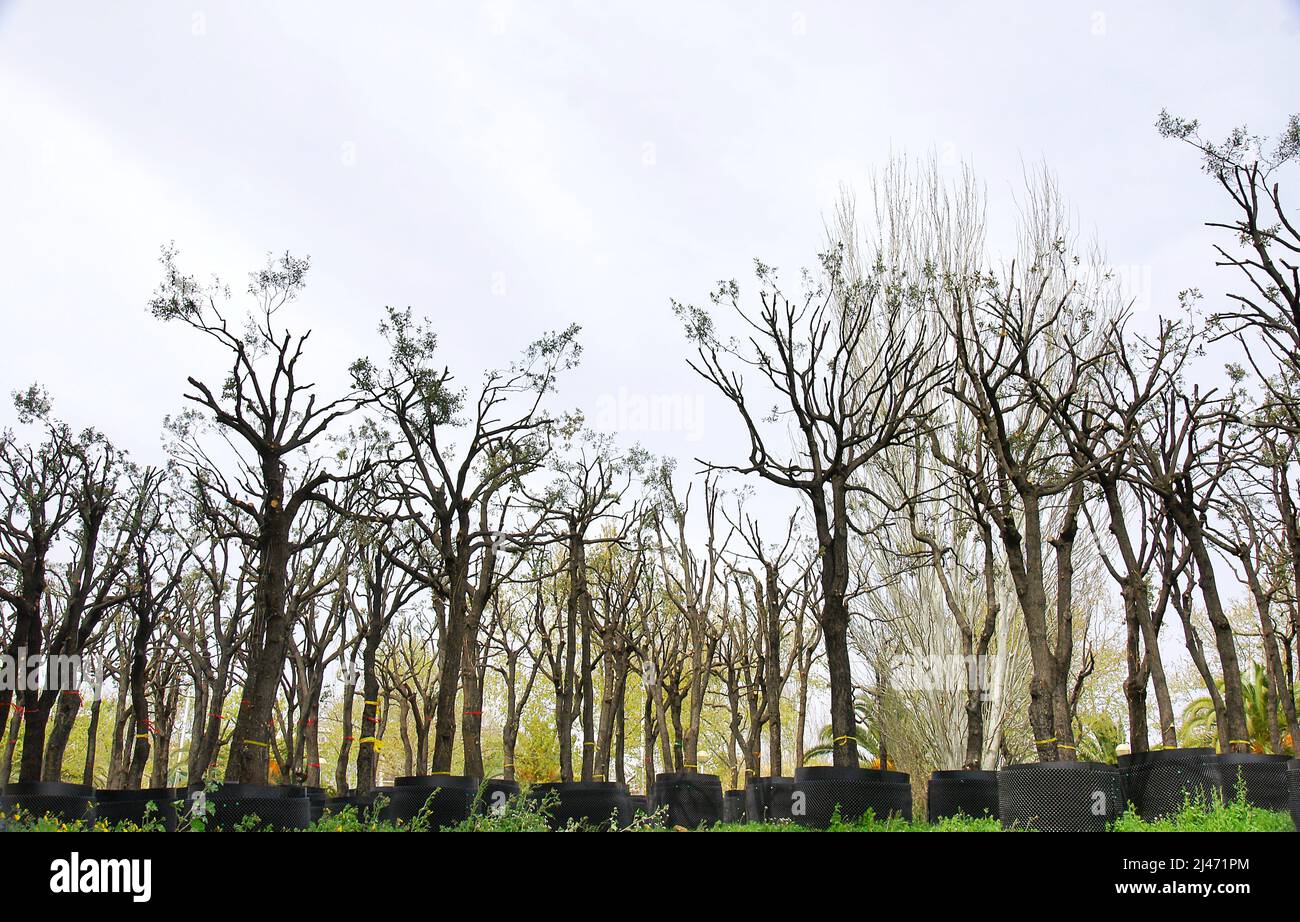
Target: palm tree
x,y
1199,725
1098,736
826,743
1200,728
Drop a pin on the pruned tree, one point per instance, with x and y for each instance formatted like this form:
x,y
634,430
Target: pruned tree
x,y
266,417
505,435
852,364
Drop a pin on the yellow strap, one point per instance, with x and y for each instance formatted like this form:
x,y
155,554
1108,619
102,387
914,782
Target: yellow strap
x,y
837,739
1050,739
1066,746
439,773
589,744
142,736
1241,743
689,765
375,703
256,743
372,740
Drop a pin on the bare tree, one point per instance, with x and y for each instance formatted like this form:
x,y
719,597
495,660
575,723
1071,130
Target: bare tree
x,y
505,435
266,417
844,412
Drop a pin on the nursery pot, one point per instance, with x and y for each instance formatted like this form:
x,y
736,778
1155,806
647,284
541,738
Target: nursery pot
x,y
316,799
66,802
768,799
1293,775
445,799
140,806
495,794
733,807
1159,782
359,800
692,799
336,805
598,804
969,793
365,801
271,806
819,789
1264,776
1060,796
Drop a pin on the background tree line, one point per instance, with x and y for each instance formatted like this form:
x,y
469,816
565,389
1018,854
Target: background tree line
x,y
1004,485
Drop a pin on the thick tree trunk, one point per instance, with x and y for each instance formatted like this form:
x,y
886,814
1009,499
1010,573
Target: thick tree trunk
x,y
56,746
772,681
833,541
345,746
472,705
368,743
1234,707
250,752
453,647
92,743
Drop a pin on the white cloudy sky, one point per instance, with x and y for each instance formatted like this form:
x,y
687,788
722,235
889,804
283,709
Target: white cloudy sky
x,y
512,167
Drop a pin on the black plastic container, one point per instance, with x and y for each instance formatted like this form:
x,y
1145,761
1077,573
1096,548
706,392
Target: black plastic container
x,y
1293,776
254,807
767,800
819,789
640,803
1060,796
373,800
361,801
1264,775
598,804
69,803
967,792
1159,782
445,799
692,799
336,805
494,794
316,800
733,807
156,805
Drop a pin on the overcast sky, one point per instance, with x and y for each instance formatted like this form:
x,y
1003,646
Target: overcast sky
x,y
508,168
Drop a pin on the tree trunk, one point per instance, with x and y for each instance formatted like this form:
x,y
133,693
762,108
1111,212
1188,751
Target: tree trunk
x,y
1234,707
250,750
92,743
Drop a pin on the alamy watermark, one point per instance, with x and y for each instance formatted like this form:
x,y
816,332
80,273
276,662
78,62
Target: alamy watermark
x,y
24,672
946,671
627,411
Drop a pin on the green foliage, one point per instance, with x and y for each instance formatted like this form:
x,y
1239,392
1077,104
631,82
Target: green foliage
x,y
1200,726
518,815
1098,737
1197,815
351,820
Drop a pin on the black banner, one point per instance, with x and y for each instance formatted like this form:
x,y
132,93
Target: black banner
x,y
323,871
